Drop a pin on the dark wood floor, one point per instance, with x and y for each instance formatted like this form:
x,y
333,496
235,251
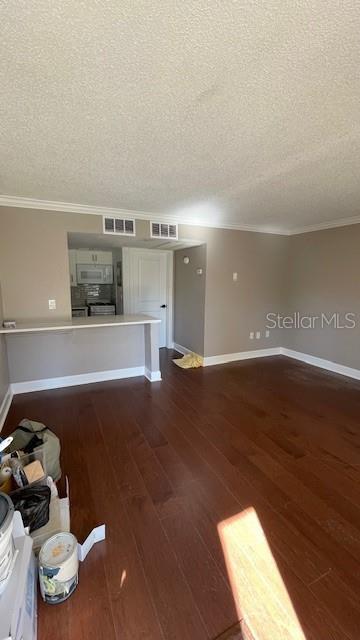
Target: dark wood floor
x,y
164,464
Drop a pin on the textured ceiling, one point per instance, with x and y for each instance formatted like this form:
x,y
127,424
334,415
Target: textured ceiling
x,y
243,113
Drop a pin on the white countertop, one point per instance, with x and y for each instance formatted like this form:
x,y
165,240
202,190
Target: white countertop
x,y
80,323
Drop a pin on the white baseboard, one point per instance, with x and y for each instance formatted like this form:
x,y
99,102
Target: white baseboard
x,y
290,353
71,381
181,349
242,355
5,406
321,363
153,376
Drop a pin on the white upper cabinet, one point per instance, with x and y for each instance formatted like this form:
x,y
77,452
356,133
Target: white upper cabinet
x,y
85,256
103,257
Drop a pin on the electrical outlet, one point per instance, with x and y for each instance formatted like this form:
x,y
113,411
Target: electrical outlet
x,y
52,305
251,336
235,276
267,333
258,335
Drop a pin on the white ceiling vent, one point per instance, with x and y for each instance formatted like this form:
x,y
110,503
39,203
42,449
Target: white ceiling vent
x,y
163,230
119,226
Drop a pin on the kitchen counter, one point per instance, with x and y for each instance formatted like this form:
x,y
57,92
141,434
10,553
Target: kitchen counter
x,y
62,353
80,323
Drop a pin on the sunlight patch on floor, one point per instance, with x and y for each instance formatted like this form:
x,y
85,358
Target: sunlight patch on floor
x,y
123,578
260,595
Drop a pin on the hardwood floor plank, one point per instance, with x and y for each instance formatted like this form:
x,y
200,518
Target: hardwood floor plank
x,y
154,478
281,476
234,633
216,604
177,611
182,457
91,599
167,585
127,583
317,622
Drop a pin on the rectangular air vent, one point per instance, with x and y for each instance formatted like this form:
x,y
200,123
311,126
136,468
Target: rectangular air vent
x,y
163,230
118,226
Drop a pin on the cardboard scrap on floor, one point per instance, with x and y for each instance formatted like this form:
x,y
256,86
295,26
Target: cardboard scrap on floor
x,y
34,471
190,361
96,535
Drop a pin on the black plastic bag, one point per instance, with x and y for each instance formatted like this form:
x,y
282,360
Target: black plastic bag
x,y
33,504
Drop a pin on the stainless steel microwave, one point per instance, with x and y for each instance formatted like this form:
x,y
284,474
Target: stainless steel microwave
x,y
94,273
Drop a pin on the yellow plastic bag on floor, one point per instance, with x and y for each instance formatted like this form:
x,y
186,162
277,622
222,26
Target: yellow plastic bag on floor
x,y
190,361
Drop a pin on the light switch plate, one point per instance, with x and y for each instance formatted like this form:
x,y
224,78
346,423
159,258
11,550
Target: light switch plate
x,y
251,336
258,335
235,276
52,305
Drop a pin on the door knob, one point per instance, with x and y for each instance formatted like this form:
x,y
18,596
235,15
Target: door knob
x,y
163,306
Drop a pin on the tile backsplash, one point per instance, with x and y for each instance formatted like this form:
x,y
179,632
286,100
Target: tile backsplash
x,y
84,293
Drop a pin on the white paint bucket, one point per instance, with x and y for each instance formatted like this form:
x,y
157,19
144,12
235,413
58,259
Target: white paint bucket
x,y
6,541
58,567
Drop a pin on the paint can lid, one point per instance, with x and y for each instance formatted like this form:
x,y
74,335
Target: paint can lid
x,y
6,512
57,550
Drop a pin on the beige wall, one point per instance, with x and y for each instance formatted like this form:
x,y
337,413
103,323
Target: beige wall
x,y
4,373
189,298
324,277
57,354
234,309
34,260
34,264
310,273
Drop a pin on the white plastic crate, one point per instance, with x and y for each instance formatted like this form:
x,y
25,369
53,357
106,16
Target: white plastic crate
x,y
18,603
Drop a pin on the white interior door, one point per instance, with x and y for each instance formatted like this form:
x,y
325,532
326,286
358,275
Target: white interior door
x,y
145,285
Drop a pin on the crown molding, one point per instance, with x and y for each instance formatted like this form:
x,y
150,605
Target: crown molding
x,y
71,207
333,224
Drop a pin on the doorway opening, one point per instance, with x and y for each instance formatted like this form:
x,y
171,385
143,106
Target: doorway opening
x,y
118,275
